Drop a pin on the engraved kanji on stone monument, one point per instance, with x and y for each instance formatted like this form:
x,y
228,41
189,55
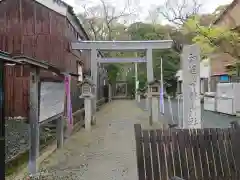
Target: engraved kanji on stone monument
x,y
191,84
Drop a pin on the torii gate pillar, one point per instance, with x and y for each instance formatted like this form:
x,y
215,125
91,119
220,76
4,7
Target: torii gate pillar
x,y
149,79
94,74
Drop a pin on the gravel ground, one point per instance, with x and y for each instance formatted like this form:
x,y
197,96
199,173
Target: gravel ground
x,y
106,153
17,137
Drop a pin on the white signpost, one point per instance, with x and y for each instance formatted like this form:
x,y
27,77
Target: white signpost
x,y
52,96
191,87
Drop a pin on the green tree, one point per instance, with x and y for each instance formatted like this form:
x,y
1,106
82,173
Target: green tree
x,y
171,60
216,39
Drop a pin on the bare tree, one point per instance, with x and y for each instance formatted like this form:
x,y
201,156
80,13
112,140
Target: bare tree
x,y
178,11
153,15
100,20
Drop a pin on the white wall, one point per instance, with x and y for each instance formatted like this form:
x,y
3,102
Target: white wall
x,y
204,70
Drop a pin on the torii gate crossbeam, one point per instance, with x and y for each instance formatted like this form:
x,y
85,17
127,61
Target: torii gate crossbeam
x,y
147,46
122,60
122,45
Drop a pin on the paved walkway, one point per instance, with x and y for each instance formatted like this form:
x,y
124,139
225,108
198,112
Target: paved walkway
x,y
210,119
106,153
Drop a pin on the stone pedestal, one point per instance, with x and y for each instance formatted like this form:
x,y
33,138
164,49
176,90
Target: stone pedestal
x,y
147,103
94,110
88,113
138,98
155,109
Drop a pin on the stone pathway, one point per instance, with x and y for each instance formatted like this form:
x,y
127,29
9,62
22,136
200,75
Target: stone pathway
x,y
106,153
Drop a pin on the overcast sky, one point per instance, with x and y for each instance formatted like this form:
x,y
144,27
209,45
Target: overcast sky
x,y
208,5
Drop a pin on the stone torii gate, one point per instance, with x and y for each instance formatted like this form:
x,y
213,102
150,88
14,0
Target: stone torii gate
x,y
95,46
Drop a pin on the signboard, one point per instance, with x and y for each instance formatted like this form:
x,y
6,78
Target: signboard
x,y
51,99
191,87
224,78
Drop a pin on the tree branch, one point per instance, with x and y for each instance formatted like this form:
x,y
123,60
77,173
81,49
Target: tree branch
x,y
177,13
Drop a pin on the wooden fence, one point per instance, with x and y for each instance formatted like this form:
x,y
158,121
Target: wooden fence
x,y
199,154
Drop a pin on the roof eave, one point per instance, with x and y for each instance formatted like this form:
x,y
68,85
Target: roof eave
x,y
229,7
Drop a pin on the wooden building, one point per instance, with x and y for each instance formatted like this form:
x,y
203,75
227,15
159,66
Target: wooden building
x,y
41,29
230,18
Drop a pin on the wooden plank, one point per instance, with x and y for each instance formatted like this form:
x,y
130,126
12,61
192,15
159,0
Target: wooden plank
x,y
183,154
211,159
223,153
147,155
216,151
155,155
236,147
196,153
231,161
161,155
192,155
203,153
176,152
189,152
170,160
139,151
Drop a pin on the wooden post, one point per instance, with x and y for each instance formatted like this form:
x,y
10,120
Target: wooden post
x,y
2,114
34,120
139,151
60,132
2,102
